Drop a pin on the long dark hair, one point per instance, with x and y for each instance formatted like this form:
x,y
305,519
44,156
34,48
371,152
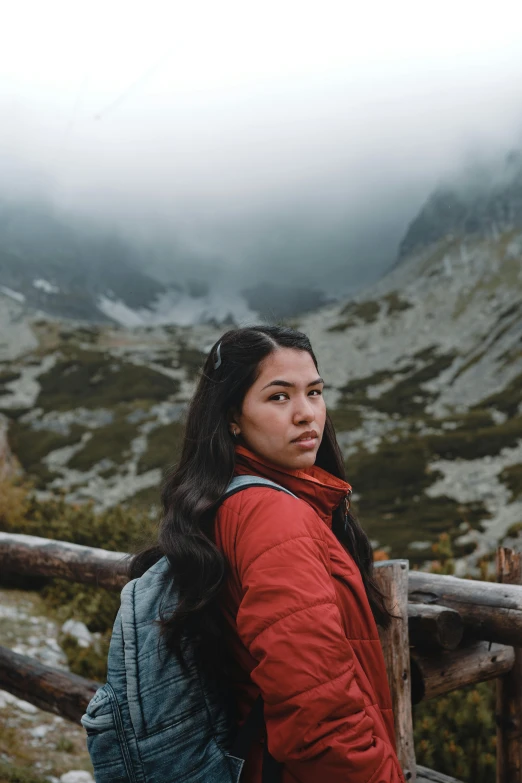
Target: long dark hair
x,y
192,494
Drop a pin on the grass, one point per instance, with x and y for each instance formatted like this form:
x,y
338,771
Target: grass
x,y
146,499
392,482
111,442
395,303
364,311
342,326
407,397
512,478
93,380
506,276
6,376
163,447
14,413
471,420
192,360
355,392
512,355
355,313
393,505
345,418
470,443
31,446
508,400
469,364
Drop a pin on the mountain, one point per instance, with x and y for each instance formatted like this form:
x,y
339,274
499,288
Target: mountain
x,y
67,268
423,371
426,375
486,200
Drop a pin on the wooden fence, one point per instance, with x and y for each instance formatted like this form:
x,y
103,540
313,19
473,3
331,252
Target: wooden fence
x,y
446,633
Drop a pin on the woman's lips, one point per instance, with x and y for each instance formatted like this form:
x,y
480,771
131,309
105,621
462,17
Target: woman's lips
x,y
307,443
307,440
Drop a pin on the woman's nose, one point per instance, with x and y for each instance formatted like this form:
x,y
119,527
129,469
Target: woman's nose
x,y
304,411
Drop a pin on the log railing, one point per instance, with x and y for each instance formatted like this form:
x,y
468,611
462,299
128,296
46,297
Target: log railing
x,y
446,633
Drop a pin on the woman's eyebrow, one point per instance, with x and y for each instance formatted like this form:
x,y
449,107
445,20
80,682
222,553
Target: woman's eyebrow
x,y
289,385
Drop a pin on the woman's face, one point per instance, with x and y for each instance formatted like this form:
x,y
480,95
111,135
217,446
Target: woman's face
x,y
283,413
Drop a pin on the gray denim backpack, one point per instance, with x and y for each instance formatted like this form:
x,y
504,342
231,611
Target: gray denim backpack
x,y
154,722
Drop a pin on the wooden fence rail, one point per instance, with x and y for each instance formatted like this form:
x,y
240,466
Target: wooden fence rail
x,y
49,689
446,633
35,556
487,610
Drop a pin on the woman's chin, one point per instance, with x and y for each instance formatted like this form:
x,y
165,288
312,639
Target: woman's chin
x,y
305,460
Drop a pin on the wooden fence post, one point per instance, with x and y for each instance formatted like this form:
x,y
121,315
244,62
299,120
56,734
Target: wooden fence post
x,y
392,578
509,688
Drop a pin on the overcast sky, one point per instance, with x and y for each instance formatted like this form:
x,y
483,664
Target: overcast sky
x,y
218,119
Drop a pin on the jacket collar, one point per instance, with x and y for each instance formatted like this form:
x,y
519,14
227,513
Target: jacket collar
x,y
316,486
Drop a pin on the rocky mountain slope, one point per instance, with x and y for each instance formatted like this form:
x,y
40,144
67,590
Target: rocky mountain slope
x,y
426,370
424,376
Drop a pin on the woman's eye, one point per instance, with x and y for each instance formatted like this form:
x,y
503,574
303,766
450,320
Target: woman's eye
x,y
276,397
317,392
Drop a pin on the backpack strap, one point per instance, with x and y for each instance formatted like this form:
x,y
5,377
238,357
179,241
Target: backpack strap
x,y
239,483
255,721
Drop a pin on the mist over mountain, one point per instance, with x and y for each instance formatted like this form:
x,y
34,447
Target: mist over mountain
x,y
483,200
73,267
63,266
240,268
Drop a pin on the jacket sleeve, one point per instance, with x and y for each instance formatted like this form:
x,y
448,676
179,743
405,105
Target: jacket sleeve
x,y
289,620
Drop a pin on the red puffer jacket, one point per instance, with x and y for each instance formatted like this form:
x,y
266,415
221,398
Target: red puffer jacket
x,y
301,632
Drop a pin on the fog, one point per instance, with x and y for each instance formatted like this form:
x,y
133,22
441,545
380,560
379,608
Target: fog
x,y
278,141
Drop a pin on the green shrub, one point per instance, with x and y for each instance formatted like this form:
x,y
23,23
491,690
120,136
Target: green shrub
x,y
89,662
94,606
367,312
110,442
6,376
508,400
393,505
474,444
512,478
31,446
91,380
163,447
345,418
396,304
456,733
117,529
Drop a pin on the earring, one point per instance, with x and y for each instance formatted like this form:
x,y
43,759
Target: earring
x,y
235,433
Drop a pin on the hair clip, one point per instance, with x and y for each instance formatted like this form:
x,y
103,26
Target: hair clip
x,y
217,362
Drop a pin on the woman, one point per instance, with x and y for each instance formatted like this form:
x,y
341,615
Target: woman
x,y
278,589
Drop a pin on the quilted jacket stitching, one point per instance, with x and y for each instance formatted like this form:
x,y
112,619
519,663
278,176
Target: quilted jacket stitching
x,y
322,602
